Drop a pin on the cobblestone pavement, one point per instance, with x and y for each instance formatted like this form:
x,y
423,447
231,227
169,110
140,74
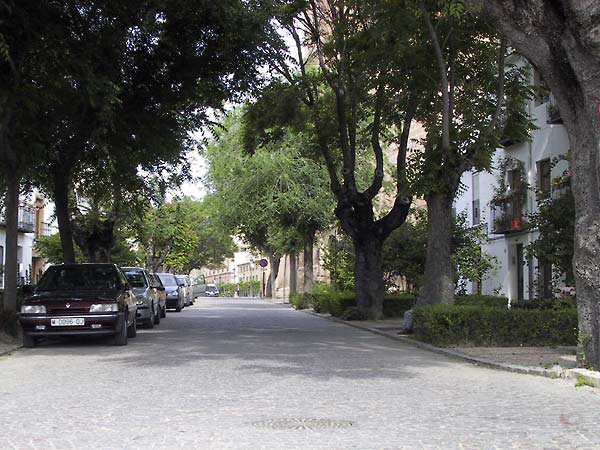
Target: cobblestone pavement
x,y
244,374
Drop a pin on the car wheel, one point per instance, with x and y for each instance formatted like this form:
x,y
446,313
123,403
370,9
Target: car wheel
x,y
132,330
157,316
29,341
163,312
150,322
121,337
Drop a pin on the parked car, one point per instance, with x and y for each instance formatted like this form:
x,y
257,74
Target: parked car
x,y
175,299
211,290
186,287
79,299
161,292
148,308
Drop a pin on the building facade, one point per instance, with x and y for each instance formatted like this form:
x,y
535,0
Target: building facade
x,y
502,200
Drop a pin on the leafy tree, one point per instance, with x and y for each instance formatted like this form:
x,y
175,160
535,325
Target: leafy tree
x,y
404,252
555,220
470,262
273,199
560,39
338,259
461,112
349,102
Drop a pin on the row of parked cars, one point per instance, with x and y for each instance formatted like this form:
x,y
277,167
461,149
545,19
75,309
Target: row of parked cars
x,y
100,299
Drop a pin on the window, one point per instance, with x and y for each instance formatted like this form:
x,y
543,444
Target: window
x,y
543,176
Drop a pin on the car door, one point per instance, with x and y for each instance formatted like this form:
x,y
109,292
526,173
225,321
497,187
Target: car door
x,y
153,292
129,296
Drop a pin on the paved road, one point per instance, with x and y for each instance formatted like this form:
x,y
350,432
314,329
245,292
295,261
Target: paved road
x,y
244,374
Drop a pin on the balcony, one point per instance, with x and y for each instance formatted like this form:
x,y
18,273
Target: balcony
x,y
552,112
26,219
507,215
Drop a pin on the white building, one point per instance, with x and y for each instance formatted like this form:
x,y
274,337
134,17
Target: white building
x,y
532,162
32,224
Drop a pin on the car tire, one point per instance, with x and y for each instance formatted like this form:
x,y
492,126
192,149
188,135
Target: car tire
x,y
150,322
163,312
121,337
157,316
132,330
29,341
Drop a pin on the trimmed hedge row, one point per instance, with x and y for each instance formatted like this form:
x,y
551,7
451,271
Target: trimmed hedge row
x,y
444,325
490,301
337,303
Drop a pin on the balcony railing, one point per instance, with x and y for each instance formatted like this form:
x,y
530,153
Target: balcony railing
x,y
507,215
25,221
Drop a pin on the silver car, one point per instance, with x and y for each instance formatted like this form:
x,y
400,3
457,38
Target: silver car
x,y
147,299
186,286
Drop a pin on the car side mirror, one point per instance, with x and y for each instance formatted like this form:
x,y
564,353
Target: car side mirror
x,y
160,288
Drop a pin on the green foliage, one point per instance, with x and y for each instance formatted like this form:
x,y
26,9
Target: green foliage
x,y
548,303
555,221
404,252
489,301
272,199
445,325
583,381
470,262
338,259
50,249
325,299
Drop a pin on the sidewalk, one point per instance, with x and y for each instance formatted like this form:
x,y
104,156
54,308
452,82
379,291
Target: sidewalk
x,y
8,344
551,362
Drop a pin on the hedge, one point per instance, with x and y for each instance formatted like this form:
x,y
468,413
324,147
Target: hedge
x,y
337,303
492,301
444,325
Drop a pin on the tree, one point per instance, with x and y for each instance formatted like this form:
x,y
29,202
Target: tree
x,y
461,113
349,103
560,39
272,199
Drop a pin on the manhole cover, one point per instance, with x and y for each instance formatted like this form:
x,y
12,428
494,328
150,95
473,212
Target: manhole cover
x,y
303,424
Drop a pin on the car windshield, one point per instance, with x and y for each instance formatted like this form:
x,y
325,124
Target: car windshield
x,y
136,278
167,279
79,277
211,288
180,281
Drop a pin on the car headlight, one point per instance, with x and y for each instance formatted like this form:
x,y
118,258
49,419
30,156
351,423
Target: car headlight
x,y
104,307
140,301
33,309
174,293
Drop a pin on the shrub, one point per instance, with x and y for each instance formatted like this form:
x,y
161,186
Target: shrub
x,y
492,301
549,303
445,325
396,305
301,300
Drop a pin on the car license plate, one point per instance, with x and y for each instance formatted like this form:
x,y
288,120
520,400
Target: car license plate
x,y
68,322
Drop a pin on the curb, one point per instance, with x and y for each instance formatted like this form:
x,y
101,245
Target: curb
x,y
587,377
11,350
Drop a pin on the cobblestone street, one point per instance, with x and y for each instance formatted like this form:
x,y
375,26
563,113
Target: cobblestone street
x,y
244,374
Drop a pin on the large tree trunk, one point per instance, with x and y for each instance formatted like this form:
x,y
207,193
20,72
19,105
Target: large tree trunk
x,y
368,276
309,243
61,203
438,286
12,236
96,243
561,39
274,263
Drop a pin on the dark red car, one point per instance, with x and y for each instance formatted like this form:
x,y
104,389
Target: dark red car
x,y
80,299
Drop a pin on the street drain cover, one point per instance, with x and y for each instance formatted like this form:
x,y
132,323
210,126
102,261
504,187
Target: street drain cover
x,y
303,424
